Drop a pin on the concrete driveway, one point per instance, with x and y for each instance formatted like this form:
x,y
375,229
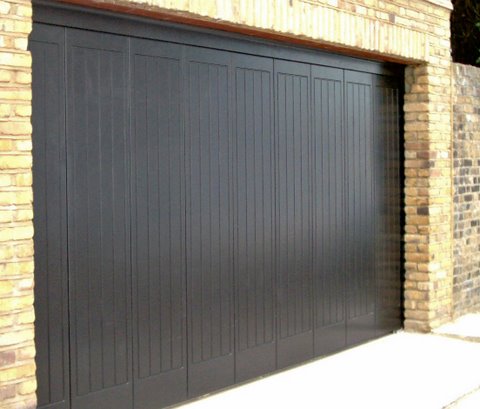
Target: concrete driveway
x,y
403,370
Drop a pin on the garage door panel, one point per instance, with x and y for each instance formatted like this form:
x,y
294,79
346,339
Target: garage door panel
x,y
209,220
98,214
360,216
329,212
228,214
158,224
294,221
254,216
388,187
49,179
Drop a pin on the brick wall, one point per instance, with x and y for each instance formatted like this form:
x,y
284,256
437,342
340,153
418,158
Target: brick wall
x,y
17,368
400,29
415,32
466,171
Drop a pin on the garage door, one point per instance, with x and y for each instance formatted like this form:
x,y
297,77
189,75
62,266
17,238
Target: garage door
x,y
208,208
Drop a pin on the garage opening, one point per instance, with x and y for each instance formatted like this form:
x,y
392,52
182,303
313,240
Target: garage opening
x,y
208,207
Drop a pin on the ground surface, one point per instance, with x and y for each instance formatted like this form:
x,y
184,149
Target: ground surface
x,y
403,370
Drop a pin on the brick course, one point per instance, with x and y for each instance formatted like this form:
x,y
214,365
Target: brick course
x,y
466,173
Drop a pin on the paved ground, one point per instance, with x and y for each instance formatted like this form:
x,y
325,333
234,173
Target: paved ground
x,y
403,370
466,328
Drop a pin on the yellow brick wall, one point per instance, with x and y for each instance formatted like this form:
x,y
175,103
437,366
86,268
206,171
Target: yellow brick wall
x,y
413,31
17,368
403,29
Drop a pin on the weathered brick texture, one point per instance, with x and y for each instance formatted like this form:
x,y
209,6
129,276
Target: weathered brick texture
x,y
466,171
401,29
428,196
17,368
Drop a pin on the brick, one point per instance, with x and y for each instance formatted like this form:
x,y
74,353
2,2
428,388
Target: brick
x,y
5,75
24,232
24,10
15,59
15,162
25,353
16,94
17,372
4,7
6,320
7,358
24,250
7,392
15,303
23,145
5,110
23,110
23,77
416,107
27,387
5,180
26,317
15,197
23,179
15,128
6,286
412,325
21,43
23,214
16,268
6,145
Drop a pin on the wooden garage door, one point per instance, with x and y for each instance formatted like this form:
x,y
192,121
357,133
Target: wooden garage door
x,y
204,216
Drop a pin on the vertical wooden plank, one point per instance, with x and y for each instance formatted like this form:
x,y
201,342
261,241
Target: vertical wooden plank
x,y
360,208
328,208
253,175
98,208
388,199
158,225
50,240
209,221
294,217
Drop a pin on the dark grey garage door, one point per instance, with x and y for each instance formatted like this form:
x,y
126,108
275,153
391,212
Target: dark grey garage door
x,y
208,209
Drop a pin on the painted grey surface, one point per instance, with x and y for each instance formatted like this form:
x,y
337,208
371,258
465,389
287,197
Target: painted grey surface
x,y
228,215
158,225
98,220
50,239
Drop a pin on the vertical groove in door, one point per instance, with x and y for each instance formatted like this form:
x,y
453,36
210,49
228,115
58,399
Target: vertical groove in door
x,y
50,240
